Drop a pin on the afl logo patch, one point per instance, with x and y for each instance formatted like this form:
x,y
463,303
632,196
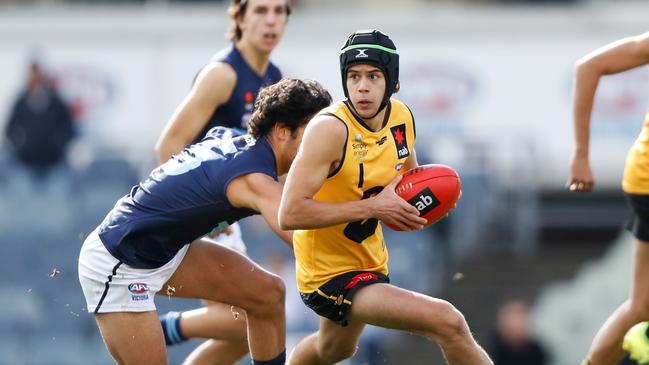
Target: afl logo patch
x,y
138,288
139,291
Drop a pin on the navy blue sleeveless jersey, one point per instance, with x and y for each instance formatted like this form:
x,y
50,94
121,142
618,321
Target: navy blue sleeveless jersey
x,y
184,198
236,112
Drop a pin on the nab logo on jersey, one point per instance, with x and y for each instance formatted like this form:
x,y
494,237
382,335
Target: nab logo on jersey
x,y
400,141
425,201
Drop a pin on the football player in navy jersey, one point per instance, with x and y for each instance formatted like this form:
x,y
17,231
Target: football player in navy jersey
x,y
223,94
148,243
225,89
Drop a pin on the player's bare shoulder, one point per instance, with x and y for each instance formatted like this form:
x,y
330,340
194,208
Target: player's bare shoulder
x,y
324,140
221,70
217,77
325,124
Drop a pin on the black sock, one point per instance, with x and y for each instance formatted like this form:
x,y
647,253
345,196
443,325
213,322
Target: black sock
x,y
279,360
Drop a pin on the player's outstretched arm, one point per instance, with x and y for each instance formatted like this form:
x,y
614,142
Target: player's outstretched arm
x,y
616,57
213,87
259,192
320,153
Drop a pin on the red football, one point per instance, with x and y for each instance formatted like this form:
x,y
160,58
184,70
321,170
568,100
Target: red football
x,y
432,189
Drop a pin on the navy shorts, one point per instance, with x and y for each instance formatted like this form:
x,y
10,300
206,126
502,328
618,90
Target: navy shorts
x,y
639,222
333,300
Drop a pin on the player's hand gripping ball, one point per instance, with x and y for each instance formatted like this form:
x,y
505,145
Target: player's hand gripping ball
x,y
432,189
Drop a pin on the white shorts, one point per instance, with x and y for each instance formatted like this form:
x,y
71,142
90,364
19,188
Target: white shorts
x,y
232,240
110,285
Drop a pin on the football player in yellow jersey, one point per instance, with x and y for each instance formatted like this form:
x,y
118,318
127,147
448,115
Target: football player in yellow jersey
x,y
616,57
341,184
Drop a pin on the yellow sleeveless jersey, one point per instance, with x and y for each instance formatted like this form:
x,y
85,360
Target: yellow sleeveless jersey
x,y
370,161
636,171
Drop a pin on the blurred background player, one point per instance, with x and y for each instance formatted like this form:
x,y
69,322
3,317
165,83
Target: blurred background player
x,y
340,186
224,94
143,245
619,56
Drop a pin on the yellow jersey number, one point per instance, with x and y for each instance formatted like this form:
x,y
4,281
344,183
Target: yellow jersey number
x,y
358,231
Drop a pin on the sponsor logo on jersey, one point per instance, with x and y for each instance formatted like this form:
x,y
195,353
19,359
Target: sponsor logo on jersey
x,y
359,145
249,97
425,201
400,141
360,150
139,291
382,140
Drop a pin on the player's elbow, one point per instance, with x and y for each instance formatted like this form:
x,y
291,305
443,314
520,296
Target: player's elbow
x,y
167,146
288,217
159,152
582,66
286,221
591,67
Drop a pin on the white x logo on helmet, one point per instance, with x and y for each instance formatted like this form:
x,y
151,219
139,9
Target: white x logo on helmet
x,y
361,53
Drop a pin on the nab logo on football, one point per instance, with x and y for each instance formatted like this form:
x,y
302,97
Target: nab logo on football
x,y
425,201
400,141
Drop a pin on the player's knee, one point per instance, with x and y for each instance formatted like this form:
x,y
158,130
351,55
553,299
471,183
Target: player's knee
x,y
455,327
451,327
277,291
270,296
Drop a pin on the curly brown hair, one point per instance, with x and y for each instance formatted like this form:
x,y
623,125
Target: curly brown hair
x,y
290,102
236,10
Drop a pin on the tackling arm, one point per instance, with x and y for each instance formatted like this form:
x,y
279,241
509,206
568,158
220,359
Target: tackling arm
x,y
259,192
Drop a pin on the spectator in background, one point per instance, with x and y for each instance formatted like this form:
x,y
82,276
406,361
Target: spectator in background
x,y
40,126
513,344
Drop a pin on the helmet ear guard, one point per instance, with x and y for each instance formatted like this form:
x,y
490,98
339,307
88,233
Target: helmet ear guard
x,y
375,48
